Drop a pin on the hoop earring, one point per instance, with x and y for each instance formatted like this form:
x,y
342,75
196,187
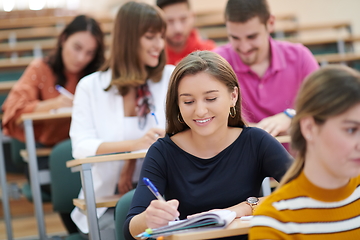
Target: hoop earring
x,y
233,113
180,119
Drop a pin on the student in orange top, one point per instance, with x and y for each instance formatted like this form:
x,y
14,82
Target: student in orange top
x,y
181,36
79,51
319,197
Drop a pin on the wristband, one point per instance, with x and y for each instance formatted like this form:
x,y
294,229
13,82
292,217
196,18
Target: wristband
x,y
290,112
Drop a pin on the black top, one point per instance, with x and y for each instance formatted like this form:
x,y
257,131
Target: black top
x,y
224,180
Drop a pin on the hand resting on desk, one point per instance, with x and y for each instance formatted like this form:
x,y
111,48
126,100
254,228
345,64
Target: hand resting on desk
x,y
275,125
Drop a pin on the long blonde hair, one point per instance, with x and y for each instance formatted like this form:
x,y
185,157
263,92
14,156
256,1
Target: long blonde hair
x,y
328,92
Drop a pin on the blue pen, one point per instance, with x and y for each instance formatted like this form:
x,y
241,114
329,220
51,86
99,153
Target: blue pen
x,y
156,120
154,190
64,92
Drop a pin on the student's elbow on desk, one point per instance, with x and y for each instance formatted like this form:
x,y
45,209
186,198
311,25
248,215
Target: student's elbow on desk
x,y
85,148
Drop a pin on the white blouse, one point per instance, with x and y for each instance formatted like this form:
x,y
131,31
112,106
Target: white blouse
x,y
97,117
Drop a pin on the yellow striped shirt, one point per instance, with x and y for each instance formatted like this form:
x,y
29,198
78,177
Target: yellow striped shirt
x,y
301,210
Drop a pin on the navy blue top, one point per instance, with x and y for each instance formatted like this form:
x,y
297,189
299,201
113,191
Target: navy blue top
x,y
224,180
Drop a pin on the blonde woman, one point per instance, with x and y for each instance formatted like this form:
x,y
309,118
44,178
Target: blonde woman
x,y
319,197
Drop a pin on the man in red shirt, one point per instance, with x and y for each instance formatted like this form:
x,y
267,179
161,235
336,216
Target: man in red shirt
x,y
181,36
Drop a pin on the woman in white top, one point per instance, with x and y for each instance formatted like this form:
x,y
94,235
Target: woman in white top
x,y
121,107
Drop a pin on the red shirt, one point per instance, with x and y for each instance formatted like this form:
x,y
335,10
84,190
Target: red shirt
x,y
193,43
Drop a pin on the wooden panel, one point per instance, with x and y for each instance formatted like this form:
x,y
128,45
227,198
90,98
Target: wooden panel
x,y
16,63
337,57
6,86
41,21
42,32
26,13
44,116
26,46
325,40
107,158
100,202
220,31
43,44
40,152
31,33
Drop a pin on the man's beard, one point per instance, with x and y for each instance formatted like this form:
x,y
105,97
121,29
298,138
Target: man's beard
x,y
177,44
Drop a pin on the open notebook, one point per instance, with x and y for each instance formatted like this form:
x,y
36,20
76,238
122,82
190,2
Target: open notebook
x,y
208,220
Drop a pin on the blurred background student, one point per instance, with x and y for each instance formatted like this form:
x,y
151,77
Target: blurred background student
x,y
264,66
79,52
209,159
182,37
319,197
121,108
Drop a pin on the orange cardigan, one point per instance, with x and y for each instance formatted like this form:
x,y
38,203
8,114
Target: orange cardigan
x,y
36,84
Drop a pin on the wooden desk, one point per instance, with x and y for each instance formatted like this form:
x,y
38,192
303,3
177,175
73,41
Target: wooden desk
x,y
236,228
40,152
283,139
89,204
27,120
107,202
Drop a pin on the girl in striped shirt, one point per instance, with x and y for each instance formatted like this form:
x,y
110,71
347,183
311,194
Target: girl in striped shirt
x,y
319,197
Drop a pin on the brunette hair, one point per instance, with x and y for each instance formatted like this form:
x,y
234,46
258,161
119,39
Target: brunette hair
x,y
328,92
133,20
80,23
163,3
241,11
197,62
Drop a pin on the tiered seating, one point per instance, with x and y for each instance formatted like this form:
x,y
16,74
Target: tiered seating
x,y
27,34
23,38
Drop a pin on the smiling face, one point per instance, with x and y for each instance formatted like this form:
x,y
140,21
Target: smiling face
x,y
151,45
78,50
250,40
204,103
334,148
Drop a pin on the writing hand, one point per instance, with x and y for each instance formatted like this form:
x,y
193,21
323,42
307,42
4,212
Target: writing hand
x,y
63,101
160,213
150,137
